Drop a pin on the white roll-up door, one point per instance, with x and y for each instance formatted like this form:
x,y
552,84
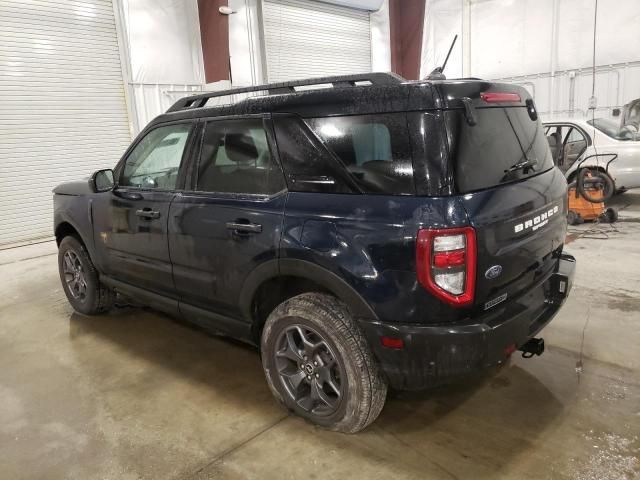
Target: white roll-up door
x,y
62,106
306,38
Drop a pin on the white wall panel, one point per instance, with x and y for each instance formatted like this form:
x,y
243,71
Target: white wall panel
x,y
442,22
152,100
62,105
164,41
381,39
617,38
544,45
245,43
510,37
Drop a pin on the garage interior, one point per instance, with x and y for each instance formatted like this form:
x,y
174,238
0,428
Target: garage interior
x,y
136,394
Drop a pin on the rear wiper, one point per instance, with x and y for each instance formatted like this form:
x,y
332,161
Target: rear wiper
x,y
522,166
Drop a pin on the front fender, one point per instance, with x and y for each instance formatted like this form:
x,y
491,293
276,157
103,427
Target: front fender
x,y
77,212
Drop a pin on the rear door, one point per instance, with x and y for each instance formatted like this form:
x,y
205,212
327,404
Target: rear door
x,y
574,145
228,221
514,197
131,221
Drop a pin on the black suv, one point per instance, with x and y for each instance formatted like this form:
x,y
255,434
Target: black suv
x,y
364,231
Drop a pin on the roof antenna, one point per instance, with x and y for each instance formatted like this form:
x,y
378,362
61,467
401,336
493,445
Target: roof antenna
x,y
436,73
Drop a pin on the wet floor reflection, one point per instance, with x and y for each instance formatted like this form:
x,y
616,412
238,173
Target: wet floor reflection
x,y
531,417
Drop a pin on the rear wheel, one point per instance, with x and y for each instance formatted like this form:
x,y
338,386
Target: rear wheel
x,y
79,278
318,364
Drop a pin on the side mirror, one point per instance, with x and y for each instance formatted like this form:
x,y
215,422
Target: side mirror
x,y
102,181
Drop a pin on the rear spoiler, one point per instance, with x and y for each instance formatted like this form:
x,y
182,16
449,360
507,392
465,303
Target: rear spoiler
x,y
469,95
481,93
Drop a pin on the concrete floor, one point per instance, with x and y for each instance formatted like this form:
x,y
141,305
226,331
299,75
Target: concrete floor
x,y
134,394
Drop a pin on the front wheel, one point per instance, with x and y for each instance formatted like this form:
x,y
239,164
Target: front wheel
x,y
319,366
79,278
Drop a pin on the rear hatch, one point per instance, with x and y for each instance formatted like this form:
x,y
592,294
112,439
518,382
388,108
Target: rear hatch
x,y
505,179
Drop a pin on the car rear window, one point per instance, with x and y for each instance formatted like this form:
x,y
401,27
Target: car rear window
x,y
504,146
374,149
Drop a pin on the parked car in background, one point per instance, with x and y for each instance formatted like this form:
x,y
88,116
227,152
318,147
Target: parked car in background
x,y
604,145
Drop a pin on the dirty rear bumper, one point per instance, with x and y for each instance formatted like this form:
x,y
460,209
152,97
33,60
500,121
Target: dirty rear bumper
x,y
433,353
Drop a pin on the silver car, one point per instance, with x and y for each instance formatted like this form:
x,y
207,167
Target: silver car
x,y
572,140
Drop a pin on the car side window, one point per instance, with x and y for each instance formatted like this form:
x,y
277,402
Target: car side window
x,y
373,148
574,145
155,160
575,136
235,158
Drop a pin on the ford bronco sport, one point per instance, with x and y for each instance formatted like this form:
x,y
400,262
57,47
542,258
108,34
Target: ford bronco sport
x,y
368,234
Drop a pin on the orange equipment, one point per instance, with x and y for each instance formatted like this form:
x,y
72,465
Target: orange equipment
x,y
581,210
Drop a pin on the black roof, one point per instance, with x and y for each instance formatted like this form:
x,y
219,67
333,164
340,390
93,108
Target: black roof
x,y
340,95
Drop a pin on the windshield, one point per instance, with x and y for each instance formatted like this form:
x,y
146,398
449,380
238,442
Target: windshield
x,y
612,129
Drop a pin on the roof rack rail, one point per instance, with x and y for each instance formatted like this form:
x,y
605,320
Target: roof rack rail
x,y
376,78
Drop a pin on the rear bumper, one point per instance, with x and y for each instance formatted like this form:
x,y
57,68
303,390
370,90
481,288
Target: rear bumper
x,y
433,353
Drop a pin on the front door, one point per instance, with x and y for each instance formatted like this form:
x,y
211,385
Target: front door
x,y
131,221
229,221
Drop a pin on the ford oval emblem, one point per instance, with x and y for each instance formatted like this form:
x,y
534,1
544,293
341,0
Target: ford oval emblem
x,y
493,272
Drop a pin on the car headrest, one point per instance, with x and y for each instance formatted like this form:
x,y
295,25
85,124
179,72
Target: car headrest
x,y
553,141
240,147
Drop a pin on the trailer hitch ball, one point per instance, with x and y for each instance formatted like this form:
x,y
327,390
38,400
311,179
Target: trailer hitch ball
x,y
535,346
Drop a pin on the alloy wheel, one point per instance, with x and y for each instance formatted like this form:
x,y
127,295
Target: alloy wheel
x,y
73,271
309,370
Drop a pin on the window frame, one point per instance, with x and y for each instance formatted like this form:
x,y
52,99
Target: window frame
x,y
336,158
184,160
571,130
191,173
570,125
294,180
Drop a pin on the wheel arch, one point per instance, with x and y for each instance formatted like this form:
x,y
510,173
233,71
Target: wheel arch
x,y
277,280
64,228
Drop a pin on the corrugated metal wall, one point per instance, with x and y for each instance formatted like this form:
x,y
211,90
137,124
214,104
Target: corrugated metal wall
x,y
305,39
62,105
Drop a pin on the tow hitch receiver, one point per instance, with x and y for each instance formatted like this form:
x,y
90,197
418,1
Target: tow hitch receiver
x,y
535,346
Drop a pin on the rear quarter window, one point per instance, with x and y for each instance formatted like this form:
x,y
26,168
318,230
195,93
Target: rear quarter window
x,y
374,149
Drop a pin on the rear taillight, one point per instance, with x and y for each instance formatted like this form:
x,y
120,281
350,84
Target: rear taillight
x,y
500,97
446,263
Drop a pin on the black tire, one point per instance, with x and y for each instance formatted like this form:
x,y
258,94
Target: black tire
x,y
76,269
572,218
601,179
610,215
361,390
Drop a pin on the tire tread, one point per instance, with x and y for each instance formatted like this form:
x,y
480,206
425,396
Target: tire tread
x,y
104,298
337,318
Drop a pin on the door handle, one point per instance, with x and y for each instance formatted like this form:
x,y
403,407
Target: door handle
x,y
244,227
147,213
